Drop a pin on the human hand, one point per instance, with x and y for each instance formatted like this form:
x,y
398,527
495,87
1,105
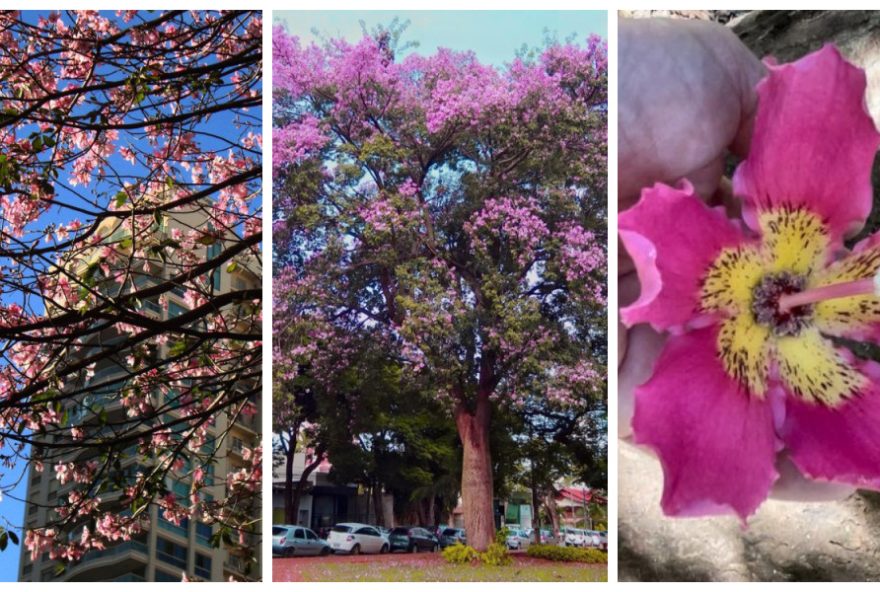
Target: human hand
x,y
686,98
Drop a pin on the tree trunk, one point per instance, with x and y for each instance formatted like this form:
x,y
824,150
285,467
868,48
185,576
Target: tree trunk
x,y
431,505
536,506
476,472
290,509
377,504
550,503
301,485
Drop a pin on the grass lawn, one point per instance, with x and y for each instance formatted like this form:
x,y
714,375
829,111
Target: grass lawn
x,y
443,572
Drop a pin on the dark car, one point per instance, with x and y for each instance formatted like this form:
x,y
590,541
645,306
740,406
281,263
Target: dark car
x,y
412,539
450,536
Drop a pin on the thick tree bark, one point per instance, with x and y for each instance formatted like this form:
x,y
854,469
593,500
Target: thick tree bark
x,y
476,474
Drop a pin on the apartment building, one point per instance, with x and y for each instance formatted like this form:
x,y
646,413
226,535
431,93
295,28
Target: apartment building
x,y
165,551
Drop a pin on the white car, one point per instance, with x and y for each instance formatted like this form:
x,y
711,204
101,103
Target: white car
x,y
517,539
593,539
354,538
573,537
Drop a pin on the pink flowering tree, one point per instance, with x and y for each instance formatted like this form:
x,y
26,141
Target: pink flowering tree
x,y
455,209
129,270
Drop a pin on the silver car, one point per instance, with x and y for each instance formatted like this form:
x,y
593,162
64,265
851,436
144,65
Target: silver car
x,y
548,538
517,539
291,541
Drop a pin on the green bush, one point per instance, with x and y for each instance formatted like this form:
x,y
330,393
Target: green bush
x,y
459,553
554,553
501,535
497,555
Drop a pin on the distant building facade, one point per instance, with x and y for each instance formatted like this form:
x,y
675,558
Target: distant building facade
x,y
165,551
324,503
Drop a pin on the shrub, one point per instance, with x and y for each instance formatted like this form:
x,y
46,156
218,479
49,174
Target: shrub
x,y
459,553
497,554
554,553
501,535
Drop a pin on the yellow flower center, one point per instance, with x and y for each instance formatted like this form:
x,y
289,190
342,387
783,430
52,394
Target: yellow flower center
x,y
745,283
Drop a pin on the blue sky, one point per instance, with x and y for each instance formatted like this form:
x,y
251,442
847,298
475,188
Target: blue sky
x,y
493,35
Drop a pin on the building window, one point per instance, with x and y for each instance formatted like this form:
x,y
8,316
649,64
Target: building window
x,y
170,553
175,310
152,306
182,530
204,533
203,566
164,576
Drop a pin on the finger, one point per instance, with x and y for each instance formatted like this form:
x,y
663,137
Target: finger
x,y
686,96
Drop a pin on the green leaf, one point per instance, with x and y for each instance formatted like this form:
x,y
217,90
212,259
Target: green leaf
x,y
178,348
121,198
4,540
232,267
13,537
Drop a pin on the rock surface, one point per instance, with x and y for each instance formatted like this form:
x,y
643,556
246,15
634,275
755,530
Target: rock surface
x,y
785,541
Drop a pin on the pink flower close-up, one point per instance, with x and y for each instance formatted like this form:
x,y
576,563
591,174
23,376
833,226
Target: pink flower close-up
x,y
757,310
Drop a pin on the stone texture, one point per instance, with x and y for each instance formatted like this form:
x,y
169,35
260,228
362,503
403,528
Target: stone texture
x,y
789,34
785,541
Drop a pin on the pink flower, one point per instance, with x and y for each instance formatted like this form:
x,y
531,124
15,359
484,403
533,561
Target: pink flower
x,y
749,369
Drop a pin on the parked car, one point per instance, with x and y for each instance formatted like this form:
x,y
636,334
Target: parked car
x,y
412,539
593,539
290,541
548,538
450,536
517,539
573,537
435,530
355,538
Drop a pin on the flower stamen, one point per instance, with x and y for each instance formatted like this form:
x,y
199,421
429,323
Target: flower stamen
x,y
864,287
768,311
